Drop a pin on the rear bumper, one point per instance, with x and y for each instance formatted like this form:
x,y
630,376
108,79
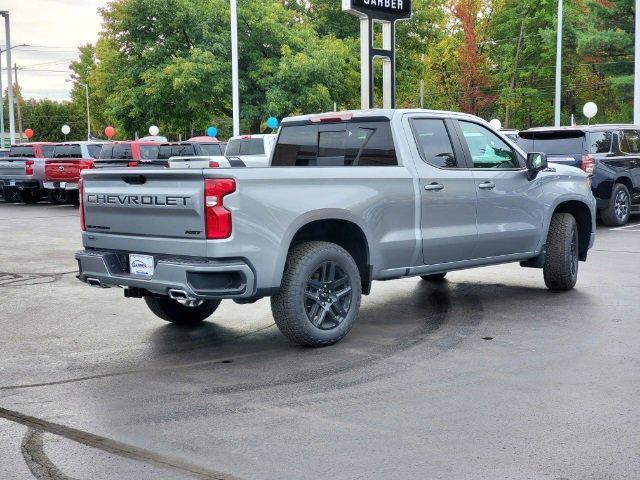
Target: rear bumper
x,y
55,185
199,278
20,184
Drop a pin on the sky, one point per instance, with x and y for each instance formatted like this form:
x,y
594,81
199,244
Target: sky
x,y
53,29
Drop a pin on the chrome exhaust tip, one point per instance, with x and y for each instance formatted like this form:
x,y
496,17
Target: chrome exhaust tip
x,y
94,282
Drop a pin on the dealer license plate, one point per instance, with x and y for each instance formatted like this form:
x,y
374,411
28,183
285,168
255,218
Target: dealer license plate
x,y
12,183
141,265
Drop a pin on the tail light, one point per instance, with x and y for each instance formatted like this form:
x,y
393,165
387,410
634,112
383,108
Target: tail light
x,y
28,167
84,164
213,164
83,226
133,164
217,218
588,164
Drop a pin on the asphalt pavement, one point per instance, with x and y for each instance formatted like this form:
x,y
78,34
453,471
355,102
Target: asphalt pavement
x,y
484,376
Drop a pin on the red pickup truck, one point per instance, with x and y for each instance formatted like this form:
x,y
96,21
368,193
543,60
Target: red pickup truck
x,y
62,169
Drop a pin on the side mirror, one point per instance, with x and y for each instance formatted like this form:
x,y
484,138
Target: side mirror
x,y
536,162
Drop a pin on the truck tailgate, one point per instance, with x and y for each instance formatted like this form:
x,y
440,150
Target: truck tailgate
x,y
65,170
145,203
11,167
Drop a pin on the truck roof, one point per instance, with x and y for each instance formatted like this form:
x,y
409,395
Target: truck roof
x,y
388,113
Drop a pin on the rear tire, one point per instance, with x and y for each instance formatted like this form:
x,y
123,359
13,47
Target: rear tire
x,y
436,277
175,312
319,299
30,196
74,198
8,195
561,259
57,197
617,212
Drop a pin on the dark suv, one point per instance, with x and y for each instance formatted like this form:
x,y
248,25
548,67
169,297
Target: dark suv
x,y
609,153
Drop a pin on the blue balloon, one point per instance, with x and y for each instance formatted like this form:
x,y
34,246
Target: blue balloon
x,y
212,131
272,122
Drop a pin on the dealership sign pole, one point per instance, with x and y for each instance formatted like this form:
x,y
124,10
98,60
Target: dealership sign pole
x,y
384,12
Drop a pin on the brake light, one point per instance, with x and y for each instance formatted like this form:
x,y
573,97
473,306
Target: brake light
x,y
217,218
28,170
213,164
132,164
83,226
588,164
334,117
84,164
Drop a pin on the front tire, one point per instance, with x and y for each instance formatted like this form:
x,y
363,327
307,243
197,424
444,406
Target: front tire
x,y
319,298
562,256
617,212
180,314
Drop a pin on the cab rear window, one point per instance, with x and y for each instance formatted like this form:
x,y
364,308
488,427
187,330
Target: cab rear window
x,y
553,143
351,144
118,152
67,151
21,152
245,146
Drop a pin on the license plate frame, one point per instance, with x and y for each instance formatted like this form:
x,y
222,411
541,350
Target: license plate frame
x,y
142,266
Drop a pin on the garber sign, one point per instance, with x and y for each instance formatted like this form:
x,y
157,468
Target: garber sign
x,y
380,9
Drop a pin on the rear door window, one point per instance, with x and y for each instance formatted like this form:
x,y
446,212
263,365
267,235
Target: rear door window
x,y
434,143
149,152
600,142
333,145
630,141
67,151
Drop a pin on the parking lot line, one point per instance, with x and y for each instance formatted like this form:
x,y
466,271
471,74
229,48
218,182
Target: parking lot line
x,y
114,447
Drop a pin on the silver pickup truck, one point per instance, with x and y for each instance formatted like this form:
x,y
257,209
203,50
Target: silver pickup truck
x,y
349,198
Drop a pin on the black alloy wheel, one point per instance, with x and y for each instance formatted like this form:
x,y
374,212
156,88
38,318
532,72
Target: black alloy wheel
x,y
327,296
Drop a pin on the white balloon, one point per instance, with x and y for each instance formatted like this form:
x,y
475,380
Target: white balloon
x,y
65,129
590,109
495,123
153,130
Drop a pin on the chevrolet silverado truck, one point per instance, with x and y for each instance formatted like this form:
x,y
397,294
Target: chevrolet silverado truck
x,y
241,151
62,170
348,198
22,172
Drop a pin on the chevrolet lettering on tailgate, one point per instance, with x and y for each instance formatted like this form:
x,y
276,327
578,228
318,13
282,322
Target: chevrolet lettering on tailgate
x,y
157,200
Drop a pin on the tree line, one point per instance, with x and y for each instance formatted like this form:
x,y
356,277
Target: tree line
x,y
167,62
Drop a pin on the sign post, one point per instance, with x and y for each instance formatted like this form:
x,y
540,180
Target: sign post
x,y
385,12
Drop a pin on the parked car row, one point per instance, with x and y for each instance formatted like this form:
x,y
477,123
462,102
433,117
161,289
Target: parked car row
x,y
609,154
32,171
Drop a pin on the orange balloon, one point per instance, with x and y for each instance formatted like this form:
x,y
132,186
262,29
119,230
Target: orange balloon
x,y
28,133
109,131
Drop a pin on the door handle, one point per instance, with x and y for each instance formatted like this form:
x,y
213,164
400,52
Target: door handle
x,y
488,185
434,187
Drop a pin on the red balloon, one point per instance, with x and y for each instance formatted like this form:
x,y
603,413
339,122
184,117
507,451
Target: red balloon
x,y
109,131
28,133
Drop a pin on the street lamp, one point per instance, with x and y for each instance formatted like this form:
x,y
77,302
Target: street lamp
x,y
2,92
86,87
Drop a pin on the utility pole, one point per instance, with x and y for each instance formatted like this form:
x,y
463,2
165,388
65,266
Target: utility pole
x,y
512,84
636,78
235,92
7,29
1,105
15,69
559,66
422,80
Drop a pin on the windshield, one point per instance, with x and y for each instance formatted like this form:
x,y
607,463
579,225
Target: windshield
x,y
552,143
67,151
21,152
245,146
